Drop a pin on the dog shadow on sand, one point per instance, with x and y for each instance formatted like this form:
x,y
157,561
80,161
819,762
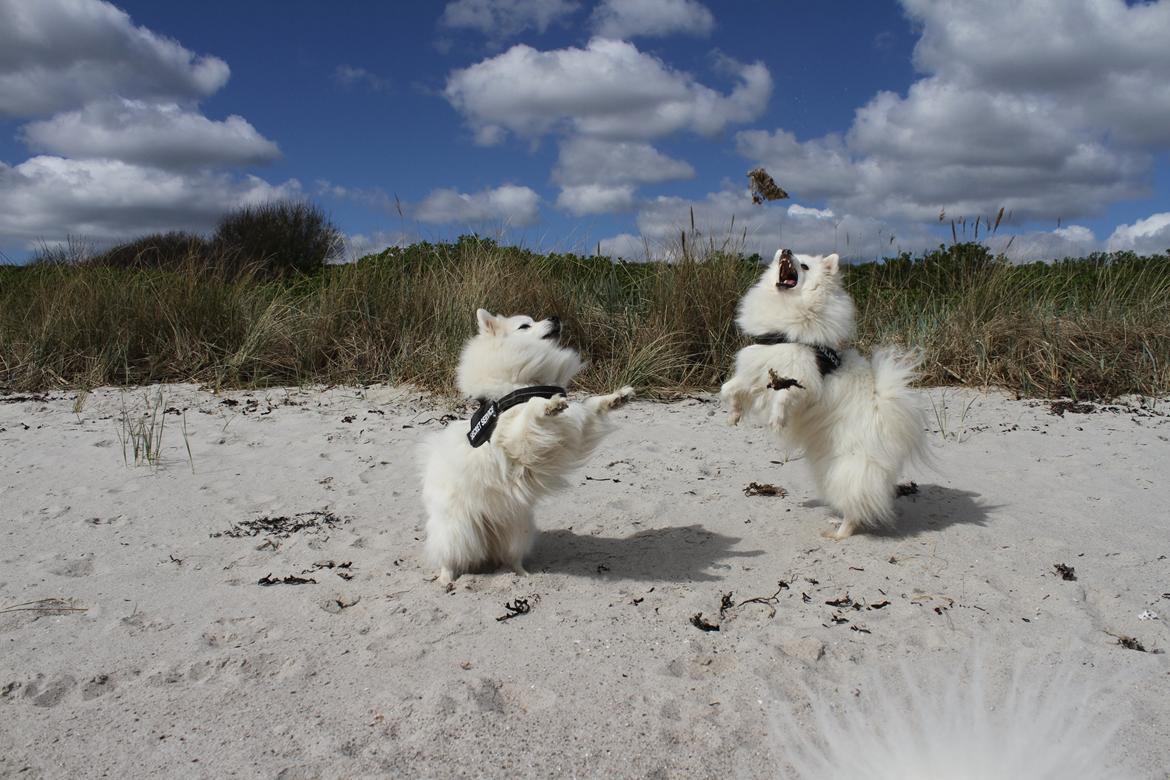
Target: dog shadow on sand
x,y
933,508
675,553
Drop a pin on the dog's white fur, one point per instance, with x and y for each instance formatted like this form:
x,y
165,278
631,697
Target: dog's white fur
x,y
859,425
956,721
480,500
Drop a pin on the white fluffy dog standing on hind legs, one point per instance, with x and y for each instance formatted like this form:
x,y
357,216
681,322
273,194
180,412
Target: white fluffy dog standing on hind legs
x,y
855,417
482,480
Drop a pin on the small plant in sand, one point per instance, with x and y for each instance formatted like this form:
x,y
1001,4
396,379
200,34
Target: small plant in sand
x,y
951,427
141,432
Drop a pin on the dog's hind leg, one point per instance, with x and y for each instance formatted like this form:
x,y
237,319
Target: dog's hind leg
x,y
844,531
517,543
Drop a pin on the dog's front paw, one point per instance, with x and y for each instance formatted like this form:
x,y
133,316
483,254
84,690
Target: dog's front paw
x,y
555,405
620,398
735,416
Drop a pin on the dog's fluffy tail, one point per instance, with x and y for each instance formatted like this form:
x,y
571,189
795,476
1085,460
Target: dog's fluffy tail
x,y
964,722
902,419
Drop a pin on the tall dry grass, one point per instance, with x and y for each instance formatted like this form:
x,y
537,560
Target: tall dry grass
x,y
1089,329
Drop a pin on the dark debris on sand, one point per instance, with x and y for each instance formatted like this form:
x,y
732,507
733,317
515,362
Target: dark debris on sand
x,y
515,608
764,489
906,489
291,579
284,526
699,622
1065,571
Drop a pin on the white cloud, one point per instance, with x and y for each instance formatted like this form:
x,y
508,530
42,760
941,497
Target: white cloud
x,y
1102,62
49,198
59,54
350,76
1053,120
503,19
1067,241
609,89
358,245
582,199
1149,236
761,229
797,210
629,18
161,134
128,151
597,176
626,246
594,160
510,204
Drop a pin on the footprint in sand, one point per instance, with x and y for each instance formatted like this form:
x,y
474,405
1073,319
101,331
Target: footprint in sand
x,y
96,686
82,567
49,693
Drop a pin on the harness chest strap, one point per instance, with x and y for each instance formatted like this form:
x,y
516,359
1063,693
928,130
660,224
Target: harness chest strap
x,y
483,422
828,359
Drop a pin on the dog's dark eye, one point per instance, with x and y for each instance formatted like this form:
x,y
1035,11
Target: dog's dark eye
x,y
803,267
525,326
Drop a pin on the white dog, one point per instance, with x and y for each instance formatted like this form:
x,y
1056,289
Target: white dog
x,y
482,480
856,419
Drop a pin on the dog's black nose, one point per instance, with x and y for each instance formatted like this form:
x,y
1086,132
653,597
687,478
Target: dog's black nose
x,y
555,320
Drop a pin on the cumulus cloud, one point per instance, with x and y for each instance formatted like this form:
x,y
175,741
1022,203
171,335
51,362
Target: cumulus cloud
x,y
1054,120
59,54
608,88
1149,236
1027,247
629,18
503,19
626,246
583,199
358,245
803,229
592,160
165,135
510,204
126,149
597,175
46,198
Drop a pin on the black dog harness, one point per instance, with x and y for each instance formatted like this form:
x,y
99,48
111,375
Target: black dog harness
x,y
828,359
483,422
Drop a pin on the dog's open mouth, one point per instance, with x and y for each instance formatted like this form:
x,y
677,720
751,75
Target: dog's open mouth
x,y
787,268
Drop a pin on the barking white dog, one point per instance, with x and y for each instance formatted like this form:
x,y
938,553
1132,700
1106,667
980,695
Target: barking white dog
x,y
482,480
856,419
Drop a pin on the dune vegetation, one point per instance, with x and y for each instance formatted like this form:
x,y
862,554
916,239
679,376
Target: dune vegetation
x,y
260,303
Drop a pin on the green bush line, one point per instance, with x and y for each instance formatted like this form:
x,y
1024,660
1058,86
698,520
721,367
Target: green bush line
x,y
1088,328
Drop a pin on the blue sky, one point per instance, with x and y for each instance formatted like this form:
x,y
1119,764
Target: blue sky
x,y
560,124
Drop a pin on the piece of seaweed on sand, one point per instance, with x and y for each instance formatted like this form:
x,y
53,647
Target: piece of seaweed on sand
x,y
699,622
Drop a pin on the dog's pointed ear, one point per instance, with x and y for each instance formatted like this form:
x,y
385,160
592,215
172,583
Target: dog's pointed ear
x,y
832,263
487,321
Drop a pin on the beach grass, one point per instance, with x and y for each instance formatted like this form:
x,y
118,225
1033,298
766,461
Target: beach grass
x,y
1091,328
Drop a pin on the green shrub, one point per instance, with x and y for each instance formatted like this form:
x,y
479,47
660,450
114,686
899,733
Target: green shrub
x,y
280,238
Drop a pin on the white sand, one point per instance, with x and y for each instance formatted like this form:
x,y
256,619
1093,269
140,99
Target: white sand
x,y
179,664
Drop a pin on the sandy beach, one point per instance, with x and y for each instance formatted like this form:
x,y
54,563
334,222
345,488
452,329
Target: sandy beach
x,y
259,606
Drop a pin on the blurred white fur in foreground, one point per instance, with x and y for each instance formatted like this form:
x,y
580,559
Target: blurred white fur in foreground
x,y
1041,724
